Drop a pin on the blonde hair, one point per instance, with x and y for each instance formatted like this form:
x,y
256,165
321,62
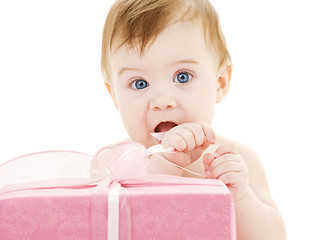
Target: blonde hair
x,y
137,23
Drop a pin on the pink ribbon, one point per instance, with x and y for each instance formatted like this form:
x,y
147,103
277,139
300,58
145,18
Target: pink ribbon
x,y
126,164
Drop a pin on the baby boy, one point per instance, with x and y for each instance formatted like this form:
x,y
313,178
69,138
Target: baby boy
x,y
166,65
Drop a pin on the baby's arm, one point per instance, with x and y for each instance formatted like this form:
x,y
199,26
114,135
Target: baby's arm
x,y
256,213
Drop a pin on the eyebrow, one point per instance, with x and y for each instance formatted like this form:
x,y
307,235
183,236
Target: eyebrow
x,y
185,61
122,70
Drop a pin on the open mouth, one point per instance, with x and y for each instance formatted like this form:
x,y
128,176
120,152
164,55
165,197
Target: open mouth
x,y
164,126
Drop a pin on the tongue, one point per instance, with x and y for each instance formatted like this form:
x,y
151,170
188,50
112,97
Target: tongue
x,y
165,126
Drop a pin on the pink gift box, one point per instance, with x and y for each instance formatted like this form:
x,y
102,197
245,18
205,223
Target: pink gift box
x,y
151,207
203,211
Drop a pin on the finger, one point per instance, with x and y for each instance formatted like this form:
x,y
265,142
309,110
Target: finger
x,y
208,131
228,157
185,134
204,146
198,151
208,158
201,133
224,149
226,167
174,140
197,131
187,137
228,178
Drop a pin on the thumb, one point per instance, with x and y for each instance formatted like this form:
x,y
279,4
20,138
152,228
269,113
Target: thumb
x,y
199,150
208,158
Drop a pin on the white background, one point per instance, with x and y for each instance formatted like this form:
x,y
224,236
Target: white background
x,y
52,95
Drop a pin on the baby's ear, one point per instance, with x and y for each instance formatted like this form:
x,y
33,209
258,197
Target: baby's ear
x,y
110,89
223,82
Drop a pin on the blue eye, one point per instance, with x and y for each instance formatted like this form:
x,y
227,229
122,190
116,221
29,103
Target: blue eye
x,y
183,77
139,84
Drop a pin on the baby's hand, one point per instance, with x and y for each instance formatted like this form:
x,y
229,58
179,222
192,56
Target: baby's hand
x,y
190,140
227,165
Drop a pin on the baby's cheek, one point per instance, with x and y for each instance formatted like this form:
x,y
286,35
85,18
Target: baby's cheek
x,y
202,107
133,125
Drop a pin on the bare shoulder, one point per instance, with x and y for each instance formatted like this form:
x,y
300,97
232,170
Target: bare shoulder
x,y
257,177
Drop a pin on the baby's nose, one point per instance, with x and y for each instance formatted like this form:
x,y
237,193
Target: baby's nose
x,y
163,102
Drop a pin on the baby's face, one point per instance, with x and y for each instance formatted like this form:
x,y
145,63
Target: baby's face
x,y
174,82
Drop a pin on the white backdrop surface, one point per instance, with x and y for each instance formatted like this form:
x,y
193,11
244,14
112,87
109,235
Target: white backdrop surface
x,y
52,95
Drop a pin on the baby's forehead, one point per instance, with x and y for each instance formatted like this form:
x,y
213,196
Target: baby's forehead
x,y
140,45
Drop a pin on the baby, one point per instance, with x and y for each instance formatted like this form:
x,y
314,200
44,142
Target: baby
x,y
166,65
